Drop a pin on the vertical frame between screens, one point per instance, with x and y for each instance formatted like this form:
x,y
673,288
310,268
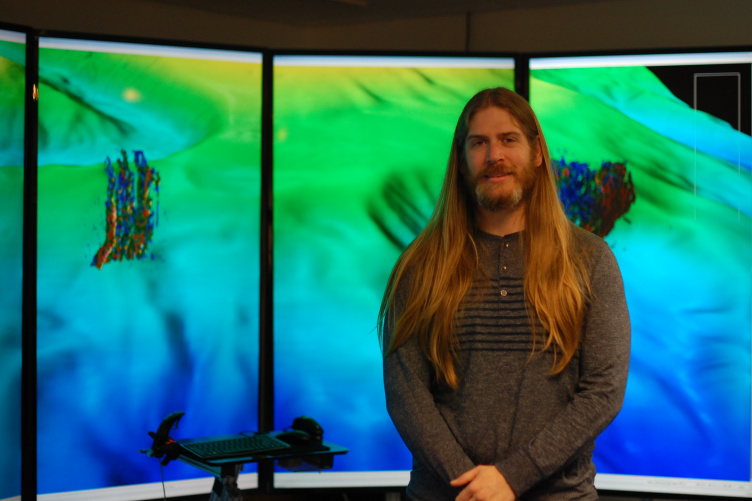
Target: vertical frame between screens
x,y
134,336
266,270
29,458
360,148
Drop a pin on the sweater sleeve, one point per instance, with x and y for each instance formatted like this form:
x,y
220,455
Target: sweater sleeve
x,y
604,364
407,382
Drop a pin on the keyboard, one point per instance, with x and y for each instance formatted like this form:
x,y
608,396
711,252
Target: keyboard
x,y
233,446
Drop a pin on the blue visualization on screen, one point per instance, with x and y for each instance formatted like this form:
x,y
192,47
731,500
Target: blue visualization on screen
x,y
148,252
12,106
680,125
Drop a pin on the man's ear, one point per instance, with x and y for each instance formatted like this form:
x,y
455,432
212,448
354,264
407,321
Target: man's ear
x,y
539,153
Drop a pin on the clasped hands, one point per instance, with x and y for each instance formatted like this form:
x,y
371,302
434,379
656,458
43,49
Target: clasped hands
x,y
483,483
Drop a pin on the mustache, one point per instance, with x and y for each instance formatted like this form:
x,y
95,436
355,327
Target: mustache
x,y
497,170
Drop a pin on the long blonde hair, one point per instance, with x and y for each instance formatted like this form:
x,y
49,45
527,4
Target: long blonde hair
x,y
440,264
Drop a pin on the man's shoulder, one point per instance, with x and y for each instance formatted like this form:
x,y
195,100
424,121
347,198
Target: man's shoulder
x,y
585,239
595,250
590,245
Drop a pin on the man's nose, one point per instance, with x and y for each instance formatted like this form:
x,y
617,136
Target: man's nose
x,y
495,152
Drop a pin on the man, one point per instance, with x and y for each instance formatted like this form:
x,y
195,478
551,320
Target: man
x,y
505,327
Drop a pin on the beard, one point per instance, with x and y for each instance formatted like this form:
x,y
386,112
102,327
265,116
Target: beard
x,y
492,197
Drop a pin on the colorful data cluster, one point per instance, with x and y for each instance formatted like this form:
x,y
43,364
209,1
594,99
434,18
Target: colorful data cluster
x,y
595,199
130,217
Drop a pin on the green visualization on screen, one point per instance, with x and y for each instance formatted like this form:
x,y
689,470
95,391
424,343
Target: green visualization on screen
x,y
12,111
360,149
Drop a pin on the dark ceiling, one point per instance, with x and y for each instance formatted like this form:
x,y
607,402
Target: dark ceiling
x,y
320,13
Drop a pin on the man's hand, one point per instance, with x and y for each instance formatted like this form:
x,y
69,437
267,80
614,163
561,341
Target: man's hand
x,y
484,483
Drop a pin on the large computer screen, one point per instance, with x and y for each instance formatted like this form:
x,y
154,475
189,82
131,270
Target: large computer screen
x,y
148,259
680,124
360,149
12,111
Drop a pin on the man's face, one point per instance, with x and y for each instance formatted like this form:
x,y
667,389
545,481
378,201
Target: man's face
x,y
500,161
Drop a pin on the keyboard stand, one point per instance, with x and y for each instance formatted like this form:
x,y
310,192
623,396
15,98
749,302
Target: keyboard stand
x,y
226,487
296,458
301,457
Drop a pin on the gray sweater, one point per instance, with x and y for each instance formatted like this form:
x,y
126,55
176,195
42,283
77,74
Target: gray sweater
x,y
537,429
